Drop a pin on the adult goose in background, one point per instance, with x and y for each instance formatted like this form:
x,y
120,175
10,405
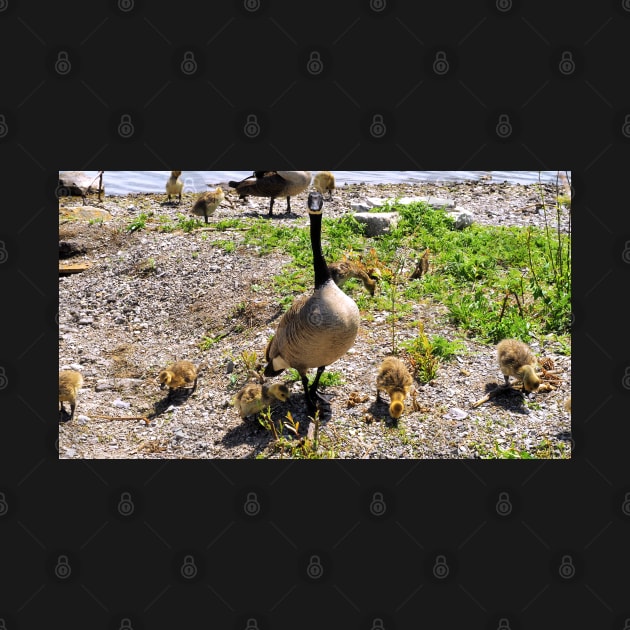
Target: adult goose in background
x,y
273,184
318,328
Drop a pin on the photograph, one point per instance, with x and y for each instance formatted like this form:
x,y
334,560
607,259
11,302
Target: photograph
x,y
408,315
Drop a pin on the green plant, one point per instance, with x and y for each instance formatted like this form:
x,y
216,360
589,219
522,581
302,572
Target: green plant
x,y
139,223
421,356
188,224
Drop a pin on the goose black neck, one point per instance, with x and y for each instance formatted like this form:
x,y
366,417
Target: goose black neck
x,y
322,274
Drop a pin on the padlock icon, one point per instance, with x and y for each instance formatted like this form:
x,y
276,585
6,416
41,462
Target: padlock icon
x,y
4,254
126,5
62,65
378,505
440,64
4,128
251,5
251,128
189,185
377,128
125,505
125,128
625,381
3,625
188,568
504,5
566,568
378,5
440,568
252,624
378,624
626,5
4,5
504,624
625,255
4,506
251,507
626,624
62,568
4,379
189,65
315,64
625,506
625,128
125,624
503,506
566,65
504,127
314,570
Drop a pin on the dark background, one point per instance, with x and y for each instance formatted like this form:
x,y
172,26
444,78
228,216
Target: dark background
x,y
438,78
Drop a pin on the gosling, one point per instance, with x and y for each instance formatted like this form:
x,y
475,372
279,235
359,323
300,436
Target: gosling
x,y
516,359
181,374
324,181
342,271
208,202
174,185
393,378
70,381
254,397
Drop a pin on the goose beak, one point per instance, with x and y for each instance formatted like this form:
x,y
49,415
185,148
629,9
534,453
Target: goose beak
x,y
315,201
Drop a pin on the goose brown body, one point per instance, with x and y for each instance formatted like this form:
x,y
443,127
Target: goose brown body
x,y
254,397
394,378
318,328
273,184
516,359
177,375
174,185
70,381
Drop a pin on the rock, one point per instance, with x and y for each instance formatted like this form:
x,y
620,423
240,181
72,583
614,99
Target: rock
x,y
462,218
77,183
377,223
86,213
70,248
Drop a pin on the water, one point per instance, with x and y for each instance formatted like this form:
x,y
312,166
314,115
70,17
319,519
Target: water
x,y
125,182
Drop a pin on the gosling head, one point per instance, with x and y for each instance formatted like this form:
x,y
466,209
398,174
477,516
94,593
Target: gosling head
x,y
531,382
279,391
176,174
164,378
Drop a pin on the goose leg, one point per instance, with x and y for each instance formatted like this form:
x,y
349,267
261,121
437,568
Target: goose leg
x,y
313,393
271,207
288,210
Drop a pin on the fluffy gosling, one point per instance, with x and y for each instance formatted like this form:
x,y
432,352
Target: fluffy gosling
x,y
342,271
178,375
393,378
208,202
516,359
324,181
70,381
254,397
174,185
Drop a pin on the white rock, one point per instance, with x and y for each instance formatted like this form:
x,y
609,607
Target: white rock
x,y
121,404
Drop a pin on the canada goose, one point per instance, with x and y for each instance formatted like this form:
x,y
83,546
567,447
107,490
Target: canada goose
x,y
273,184
516,359
70,381
174,185
393,378
254,397
179,374
324,181
318,328
208,202
341,271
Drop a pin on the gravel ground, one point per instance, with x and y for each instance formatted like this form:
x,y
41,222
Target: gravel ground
x,y
150,297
